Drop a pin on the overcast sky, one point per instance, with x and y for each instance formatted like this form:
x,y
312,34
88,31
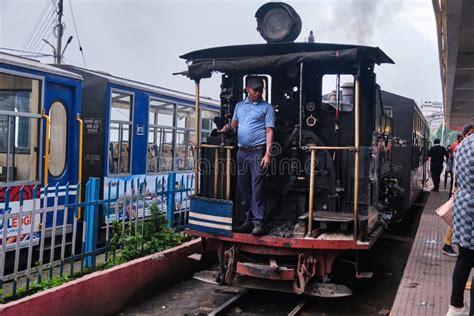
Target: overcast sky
x,y
143,39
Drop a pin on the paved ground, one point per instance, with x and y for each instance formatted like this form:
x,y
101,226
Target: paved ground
x,y
371,296
425,288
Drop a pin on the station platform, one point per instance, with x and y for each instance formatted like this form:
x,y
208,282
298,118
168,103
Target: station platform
x,y
425,288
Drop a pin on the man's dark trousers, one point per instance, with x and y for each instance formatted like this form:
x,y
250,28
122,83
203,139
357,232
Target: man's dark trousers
x,y
435,175
251,177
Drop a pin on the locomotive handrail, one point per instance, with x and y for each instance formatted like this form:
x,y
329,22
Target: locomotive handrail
x,y
356,149
81,129
197,138
311,193
216,166
46,149
215,146
330,148
356,157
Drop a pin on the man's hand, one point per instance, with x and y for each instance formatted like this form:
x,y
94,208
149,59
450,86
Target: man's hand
x,y
265,161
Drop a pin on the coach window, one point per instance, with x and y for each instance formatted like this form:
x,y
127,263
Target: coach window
x,y
185,131
57,156
160,136
19,126
207,123
121,110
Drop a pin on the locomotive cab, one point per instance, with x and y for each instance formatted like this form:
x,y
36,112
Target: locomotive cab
x,y
317,114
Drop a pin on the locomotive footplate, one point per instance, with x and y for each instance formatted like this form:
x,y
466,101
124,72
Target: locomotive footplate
x,y
335,221
290,246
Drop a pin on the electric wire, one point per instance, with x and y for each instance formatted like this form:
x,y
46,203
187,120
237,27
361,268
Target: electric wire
x,y
36,37
40,18
77,35
23,52
39,35
43,32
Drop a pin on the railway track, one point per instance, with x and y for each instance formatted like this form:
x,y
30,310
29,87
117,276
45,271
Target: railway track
x,y
242,298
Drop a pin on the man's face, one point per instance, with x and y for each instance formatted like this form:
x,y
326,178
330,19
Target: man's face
x,y
255,94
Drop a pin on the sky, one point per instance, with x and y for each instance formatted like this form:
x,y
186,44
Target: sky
x,y
143,39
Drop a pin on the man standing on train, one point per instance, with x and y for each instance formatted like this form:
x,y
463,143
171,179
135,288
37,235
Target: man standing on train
x,y
254,120
437,153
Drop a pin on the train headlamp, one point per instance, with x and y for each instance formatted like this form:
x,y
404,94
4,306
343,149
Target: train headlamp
x,y
278,22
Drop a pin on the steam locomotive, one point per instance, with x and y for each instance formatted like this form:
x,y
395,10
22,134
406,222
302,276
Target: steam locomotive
x,y
340,164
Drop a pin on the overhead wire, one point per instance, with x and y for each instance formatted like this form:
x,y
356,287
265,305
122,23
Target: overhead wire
x,y
35,26
77,35
42,30
41,34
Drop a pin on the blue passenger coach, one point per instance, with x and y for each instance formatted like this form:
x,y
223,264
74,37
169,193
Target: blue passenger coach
x,y
132,132
38,108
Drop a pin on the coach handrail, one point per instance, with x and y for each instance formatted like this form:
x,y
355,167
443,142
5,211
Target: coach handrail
x,y
46,149
79,176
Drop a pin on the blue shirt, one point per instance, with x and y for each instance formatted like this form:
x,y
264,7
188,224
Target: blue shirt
x,y
253,118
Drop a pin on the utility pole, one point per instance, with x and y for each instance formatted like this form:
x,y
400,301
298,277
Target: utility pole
x,y
60,33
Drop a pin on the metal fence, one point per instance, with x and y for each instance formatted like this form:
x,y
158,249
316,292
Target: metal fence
x,y
48,233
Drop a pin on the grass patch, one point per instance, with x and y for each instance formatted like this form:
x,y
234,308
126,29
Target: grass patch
x,y
133,243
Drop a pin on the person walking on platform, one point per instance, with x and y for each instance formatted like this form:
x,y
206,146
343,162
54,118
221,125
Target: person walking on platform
x,y
448,243
437,153
463,222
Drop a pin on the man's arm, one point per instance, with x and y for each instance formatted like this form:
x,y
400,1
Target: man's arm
x,y
234,124
269,141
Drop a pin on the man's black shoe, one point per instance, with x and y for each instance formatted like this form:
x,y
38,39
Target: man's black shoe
x,y
435,190
258,230
246,228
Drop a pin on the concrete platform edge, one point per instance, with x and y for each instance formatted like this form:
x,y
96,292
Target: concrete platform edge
x,y
110,291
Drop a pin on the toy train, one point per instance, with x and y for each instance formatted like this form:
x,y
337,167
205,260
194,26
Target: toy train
x,y
348,158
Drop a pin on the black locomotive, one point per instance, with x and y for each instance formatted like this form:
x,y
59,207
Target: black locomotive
x,y
340,162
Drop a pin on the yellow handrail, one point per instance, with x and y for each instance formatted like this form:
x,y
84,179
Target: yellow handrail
x,y
79,175
46,149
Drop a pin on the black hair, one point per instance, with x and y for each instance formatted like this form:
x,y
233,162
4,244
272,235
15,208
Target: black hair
x,y
467,128
436,141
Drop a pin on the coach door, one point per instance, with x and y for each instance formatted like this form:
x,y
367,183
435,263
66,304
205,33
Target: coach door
x,y
62,164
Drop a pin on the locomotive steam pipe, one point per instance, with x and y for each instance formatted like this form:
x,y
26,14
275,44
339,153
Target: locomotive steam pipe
x,y
196,139
356,157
